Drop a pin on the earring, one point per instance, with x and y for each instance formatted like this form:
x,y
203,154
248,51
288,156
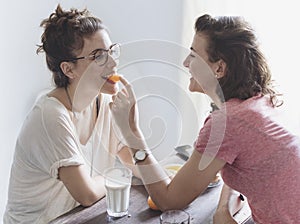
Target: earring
x,y
216,76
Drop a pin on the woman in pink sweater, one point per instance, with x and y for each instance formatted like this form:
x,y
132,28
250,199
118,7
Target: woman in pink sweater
x,y
244,139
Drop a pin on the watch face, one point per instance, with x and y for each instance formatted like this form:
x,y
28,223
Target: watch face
x,y
140,155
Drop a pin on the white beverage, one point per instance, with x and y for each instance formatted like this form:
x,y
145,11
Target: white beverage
x,y
117,198
117,184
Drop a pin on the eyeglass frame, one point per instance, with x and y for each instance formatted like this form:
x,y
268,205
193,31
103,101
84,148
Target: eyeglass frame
x,y
93,55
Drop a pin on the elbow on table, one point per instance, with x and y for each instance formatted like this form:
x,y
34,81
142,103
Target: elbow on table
x,y
89,200
87,203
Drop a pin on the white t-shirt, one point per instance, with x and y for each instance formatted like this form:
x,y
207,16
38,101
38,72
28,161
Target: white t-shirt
x,y
48,141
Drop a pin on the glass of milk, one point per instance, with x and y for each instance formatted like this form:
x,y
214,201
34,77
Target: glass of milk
x,y
117,184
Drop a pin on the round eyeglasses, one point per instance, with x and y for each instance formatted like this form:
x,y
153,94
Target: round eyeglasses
x,y
101,55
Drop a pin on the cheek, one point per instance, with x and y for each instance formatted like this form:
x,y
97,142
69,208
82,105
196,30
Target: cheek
x,y
92,70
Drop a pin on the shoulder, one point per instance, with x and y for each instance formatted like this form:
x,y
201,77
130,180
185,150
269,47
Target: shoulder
x,y
46,107
236,116
249,109
52,112
51,105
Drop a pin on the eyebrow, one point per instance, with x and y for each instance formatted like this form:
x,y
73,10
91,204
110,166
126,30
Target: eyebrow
x,y
96,50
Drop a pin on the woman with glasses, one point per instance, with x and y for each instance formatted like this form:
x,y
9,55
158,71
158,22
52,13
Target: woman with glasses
x,y
67,139
245,139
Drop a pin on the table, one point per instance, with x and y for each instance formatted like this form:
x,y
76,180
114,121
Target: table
x,y
200,210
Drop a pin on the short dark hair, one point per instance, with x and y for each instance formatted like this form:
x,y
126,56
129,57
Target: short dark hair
x,y
232,39
63,37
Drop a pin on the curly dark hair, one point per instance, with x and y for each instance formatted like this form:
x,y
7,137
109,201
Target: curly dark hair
x,y
232,39
63,37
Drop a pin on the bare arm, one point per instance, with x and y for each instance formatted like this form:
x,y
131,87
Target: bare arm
x,y
229,204
186,185
167,193
84,189
126,159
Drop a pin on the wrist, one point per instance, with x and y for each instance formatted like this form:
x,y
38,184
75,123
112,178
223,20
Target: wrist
x,y
140,155
135,140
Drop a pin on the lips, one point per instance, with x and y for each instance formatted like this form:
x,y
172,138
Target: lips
x,y
112,79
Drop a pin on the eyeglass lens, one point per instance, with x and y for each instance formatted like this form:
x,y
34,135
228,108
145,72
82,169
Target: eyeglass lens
x,y
102,56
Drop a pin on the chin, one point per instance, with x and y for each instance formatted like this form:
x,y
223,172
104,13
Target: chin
x,y
194,87
191,89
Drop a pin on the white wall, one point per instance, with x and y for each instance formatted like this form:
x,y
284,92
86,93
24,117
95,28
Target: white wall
x,y
24,74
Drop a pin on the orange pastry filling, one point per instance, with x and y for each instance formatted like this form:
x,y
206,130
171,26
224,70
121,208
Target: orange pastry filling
x,y
114,78
151,204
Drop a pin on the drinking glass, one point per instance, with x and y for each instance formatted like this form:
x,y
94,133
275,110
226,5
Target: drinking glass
x,y
117,183
174,217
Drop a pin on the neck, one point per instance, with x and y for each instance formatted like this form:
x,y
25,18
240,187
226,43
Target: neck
x,y
69,98
77,101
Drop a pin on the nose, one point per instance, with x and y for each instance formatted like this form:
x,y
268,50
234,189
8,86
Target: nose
x,y
186,62
112,62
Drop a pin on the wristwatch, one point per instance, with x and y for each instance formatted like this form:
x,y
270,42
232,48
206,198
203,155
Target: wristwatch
x,y
140,155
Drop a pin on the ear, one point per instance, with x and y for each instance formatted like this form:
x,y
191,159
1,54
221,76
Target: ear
x,y
66,68
219,68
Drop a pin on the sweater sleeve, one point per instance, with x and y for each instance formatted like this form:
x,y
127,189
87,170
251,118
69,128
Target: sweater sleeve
x,y
217,139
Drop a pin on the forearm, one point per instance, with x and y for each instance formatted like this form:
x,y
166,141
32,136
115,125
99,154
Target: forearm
x,y
96,190
157,181
90,193
166,193
187,184
84,189
229,200
148,170
229,204
154,177
152,174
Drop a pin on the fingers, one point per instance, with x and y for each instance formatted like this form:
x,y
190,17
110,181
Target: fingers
x,y
124,81
128,87
122,96
124,91
119,101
